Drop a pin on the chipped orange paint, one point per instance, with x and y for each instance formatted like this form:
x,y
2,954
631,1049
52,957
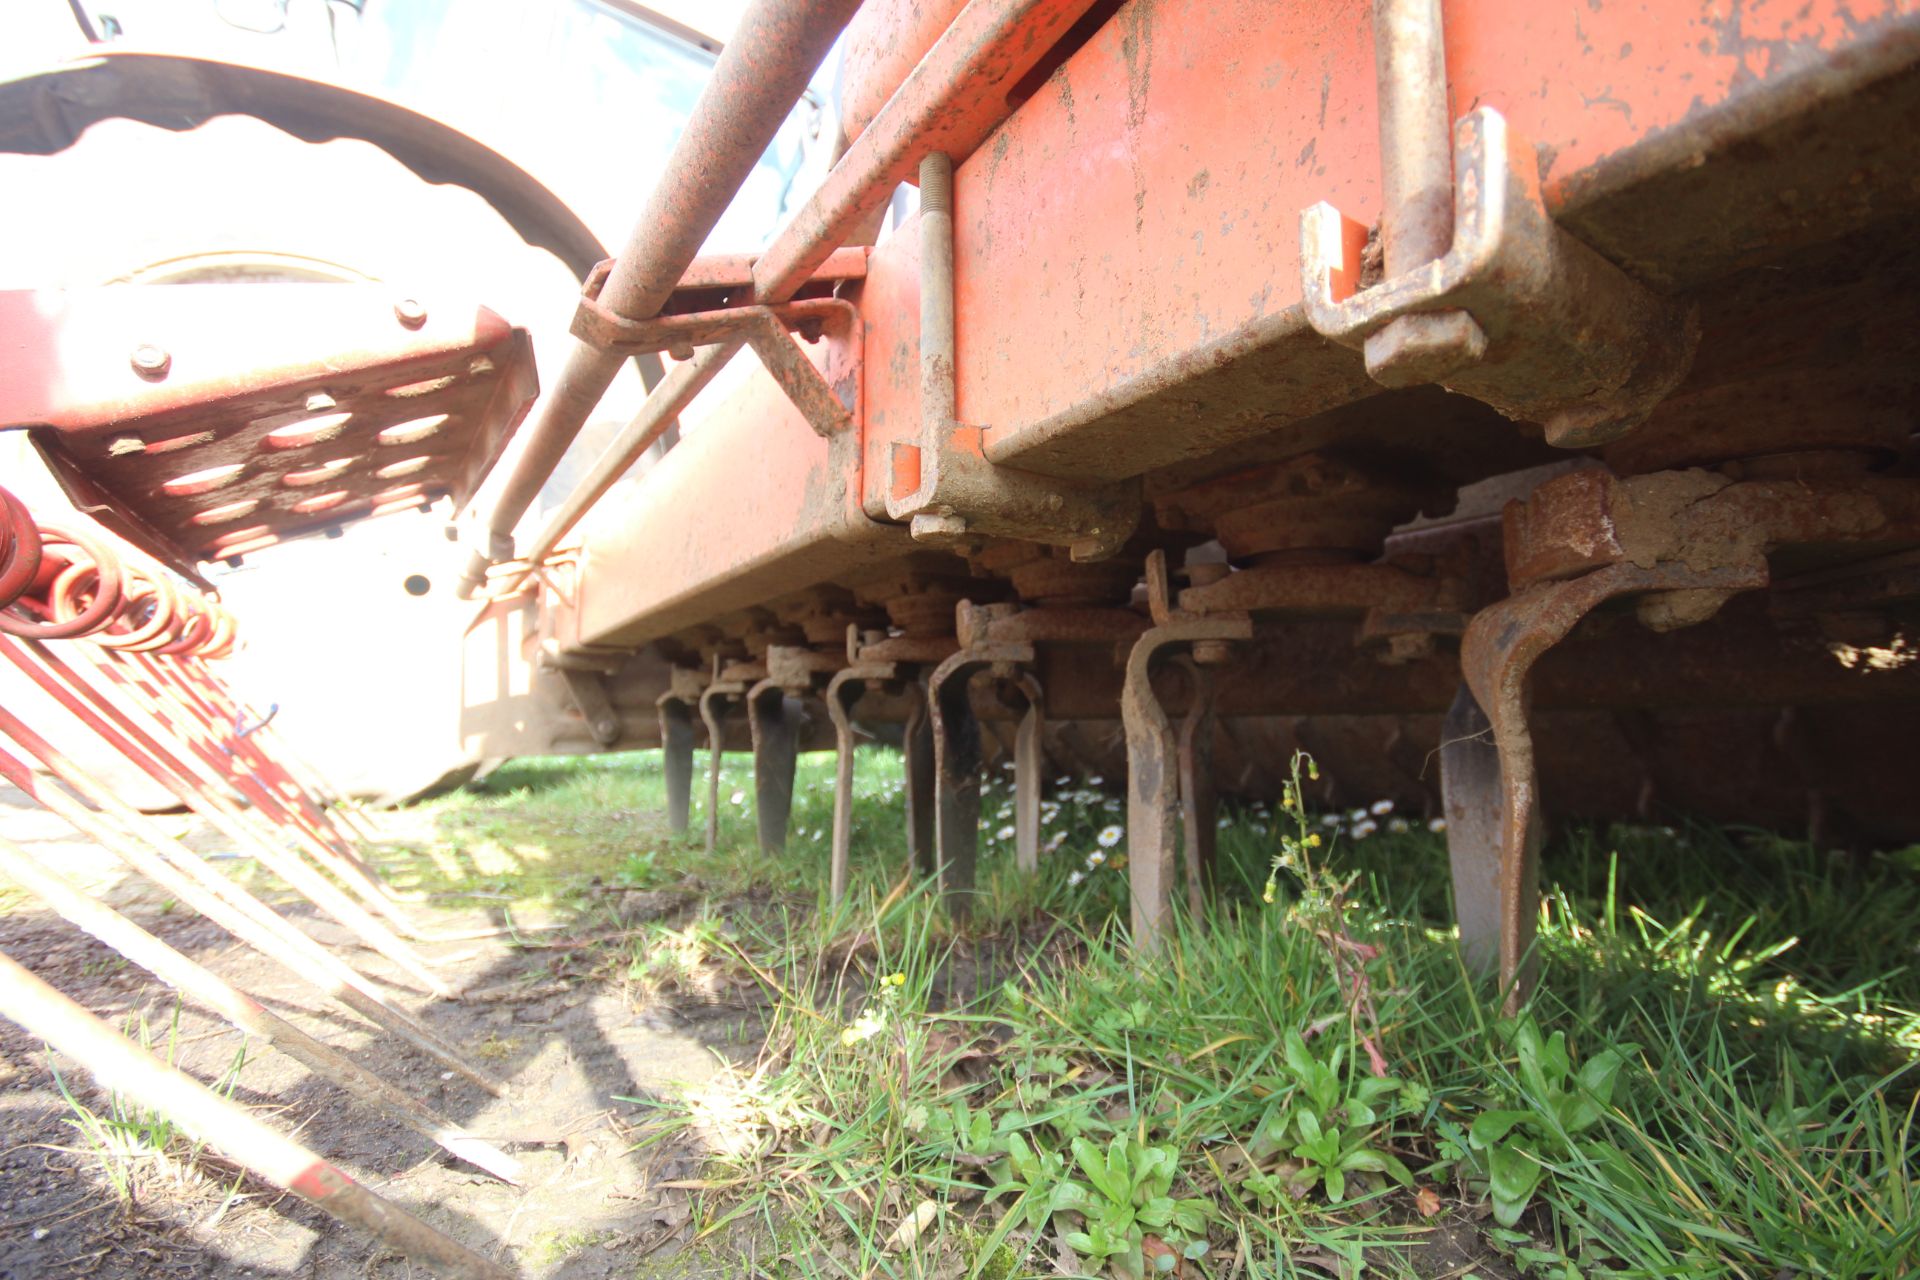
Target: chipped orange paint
x,y
1146,200
1141,204
749,506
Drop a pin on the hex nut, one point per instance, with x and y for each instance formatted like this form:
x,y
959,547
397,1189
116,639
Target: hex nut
x,y
150,361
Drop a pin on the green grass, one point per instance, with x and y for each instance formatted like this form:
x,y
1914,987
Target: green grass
x,y
131,1145
1714,1079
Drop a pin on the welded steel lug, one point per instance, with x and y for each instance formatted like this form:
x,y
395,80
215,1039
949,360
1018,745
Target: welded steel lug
x,y
1502,644
1154,791
957,761
1589,518
1559,335
717,700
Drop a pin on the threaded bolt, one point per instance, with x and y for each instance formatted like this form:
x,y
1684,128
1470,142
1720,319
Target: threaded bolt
x,y
936,183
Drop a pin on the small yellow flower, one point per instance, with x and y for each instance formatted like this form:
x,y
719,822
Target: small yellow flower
x,y
896,979
1268,895
1313,840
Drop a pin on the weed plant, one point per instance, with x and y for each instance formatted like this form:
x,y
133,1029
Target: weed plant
x,y
1715,1076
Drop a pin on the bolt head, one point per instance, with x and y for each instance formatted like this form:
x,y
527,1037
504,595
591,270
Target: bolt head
x,y
410,313
932,527
150,361
1212,653
1425,347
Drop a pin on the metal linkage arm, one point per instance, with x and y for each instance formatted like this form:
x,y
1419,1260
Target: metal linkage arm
x,y
758,78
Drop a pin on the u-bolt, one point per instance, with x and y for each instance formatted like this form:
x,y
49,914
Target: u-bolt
x,y
1416,175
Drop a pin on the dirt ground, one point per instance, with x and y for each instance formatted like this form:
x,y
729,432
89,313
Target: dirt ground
x,y
571,1049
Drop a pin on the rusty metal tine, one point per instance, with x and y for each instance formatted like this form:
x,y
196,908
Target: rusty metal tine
x,y
776,746
1153,775
296,873
184,875
916,749
676,764
344,864
1198,835
1152,798
1026,775
226,1126
956,781
714,703
957,759
1470,789
1501,645
213,709
246,1013
200,764
843,692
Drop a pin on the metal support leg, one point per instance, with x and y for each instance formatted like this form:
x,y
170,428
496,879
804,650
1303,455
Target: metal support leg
x,y
916,748
776,734
676,748
1153,776
1502,643
717,700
